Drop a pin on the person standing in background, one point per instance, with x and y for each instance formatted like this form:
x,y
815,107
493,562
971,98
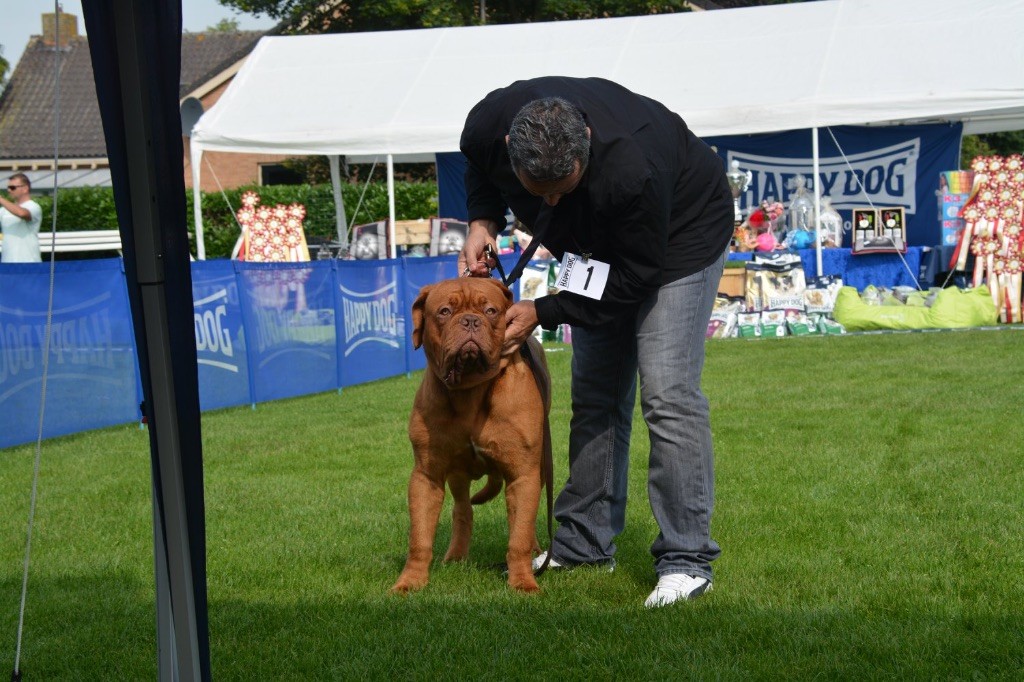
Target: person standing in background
x,y
20,218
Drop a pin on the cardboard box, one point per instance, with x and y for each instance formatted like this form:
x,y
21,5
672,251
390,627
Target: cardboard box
x,y
408,232
733,282
950,205
951,231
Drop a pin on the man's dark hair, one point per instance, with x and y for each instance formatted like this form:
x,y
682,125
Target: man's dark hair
x,y
547,138
23,178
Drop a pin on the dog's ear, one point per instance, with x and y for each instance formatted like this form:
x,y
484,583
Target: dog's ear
x,y
417,316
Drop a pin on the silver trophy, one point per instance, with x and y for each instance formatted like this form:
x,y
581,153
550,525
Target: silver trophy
x,y
739,181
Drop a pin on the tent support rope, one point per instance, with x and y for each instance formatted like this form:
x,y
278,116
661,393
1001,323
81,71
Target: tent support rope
x,y
16,672
914,276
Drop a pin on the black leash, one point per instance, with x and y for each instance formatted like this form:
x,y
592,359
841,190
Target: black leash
x,y
543,221
547,468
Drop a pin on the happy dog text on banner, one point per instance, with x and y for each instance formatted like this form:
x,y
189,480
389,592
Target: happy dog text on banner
x,y
883,166
372,324
888,176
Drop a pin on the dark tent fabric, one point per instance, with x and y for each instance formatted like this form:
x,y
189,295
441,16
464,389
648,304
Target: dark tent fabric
x,y
451,185
136,56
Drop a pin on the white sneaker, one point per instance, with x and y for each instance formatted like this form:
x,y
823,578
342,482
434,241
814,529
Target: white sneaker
x,y
538,561
677,586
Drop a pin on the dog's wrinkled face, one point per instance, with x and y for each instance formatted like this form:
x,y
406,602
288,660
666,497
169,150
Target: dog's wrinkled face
x,y
461,325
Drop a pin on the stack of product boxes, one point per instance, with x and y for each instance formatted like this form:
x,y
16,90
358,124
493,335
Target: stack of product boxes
x,y
954,190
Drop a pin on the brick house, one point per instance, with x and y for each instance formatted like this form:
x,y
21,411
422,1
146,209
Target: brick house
x,y
27,113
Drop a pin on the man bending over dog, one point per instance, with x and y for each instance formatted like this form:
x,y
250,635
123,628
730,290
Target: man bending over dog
x,y
619,186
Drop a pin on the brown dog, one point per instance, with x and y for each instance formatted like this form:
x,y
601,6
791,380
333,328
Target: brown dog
x,y
476,412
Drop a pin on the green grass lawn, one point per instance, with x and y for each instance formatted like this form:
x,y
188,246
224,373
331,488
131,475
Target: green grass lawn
x,y
869,507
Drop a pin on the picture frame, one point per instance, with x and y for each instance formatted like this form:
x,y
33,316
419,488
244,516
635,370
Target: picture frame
x,y
447,236
370,241
887,232
863,221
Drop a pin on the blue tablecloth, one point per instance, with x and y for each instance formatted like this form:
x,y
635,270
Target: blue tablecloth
x,y
880,269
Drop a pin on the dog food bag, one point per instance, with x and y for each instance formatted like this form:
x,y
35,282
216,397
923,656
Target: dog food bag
x,y
748,325
799,324
820,294
773,323
826,325
722,325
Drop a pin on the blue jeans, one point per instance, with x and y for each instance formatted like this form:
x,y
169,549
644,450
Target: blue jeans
x,y
664,340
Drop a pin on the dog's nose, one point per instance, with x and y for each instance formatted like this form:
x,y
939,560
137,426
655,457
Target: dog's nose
x,y
470,322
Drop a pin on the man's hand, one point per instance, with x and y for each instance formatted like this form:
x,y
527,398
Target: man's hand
x,y
472,260
520,321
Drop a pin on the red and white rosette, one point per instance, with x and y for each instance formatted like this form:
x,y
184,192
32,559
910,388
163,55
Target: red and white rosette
x,y
995,283
272,234
250,199
1011,312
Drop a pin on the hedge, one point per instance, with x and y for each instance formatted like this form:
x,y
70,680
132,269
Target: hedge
x,y
92,208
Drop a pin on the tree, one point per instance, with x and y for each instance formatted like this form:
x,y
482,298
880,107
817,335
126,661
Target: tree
x,y
340,16
224,26
1001,144
4,68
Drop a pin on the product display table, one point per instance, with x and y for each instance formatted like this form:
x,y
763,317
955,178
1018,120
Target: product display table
x,y
879,269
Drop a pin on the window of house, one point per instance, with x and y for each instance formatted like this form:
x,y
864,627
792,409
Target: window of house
x,y
276,174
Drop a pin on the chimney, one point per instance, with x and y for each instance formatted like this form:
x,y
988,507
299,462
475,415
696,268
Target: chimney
x,y
68,29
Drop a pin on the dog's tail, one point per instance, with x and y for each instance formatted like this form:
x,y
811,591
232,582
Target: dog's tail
x,y
489,491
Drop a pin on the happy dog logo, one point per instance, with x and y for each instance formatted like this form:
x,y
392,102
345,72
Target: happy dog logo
x,y
80,336
213,335
370,317
887,176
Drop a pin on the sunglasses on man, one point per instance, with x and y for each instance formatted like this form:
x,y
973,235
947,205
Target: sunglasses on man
x,y
12,187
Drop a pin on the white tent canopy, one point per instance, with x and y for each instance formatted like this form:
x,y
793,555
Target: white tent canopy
x,y
727,72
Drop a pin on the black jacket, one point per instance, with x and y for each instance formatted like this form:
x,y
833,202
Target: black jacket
x,y
653,203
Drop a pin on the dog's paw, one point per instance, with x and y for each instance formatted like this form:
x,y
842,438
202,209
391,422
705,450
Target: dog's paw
x,y
455,555
406,584
527,585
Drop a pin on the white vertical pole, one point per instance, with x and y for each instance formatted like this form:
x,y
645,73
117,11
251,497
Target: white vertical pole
x,y
391,207
339,202
817,199
197,202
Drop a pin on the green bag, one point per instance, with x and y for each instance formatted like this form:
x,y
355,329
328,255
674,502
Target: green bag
x,y
953,308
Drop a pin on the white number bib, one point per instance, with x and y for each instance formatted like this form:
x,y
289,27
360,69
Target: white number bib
x,y
584,277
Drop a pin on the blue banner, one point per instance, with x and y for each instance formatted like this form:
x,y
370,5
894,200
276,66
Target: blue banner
x,y
418,274
92,371
263,332
220,336
373,320
288,312
895,166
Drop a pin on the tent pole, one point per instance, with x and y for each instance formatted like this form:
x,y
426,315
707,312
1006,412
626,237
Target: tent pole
x,y
135,52
196,153
339,201
817,199
391,207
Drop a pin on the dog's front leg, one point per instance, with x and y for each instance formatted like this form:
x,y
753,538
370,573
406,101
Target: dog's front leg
x,y
462,518
522,497
425,498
